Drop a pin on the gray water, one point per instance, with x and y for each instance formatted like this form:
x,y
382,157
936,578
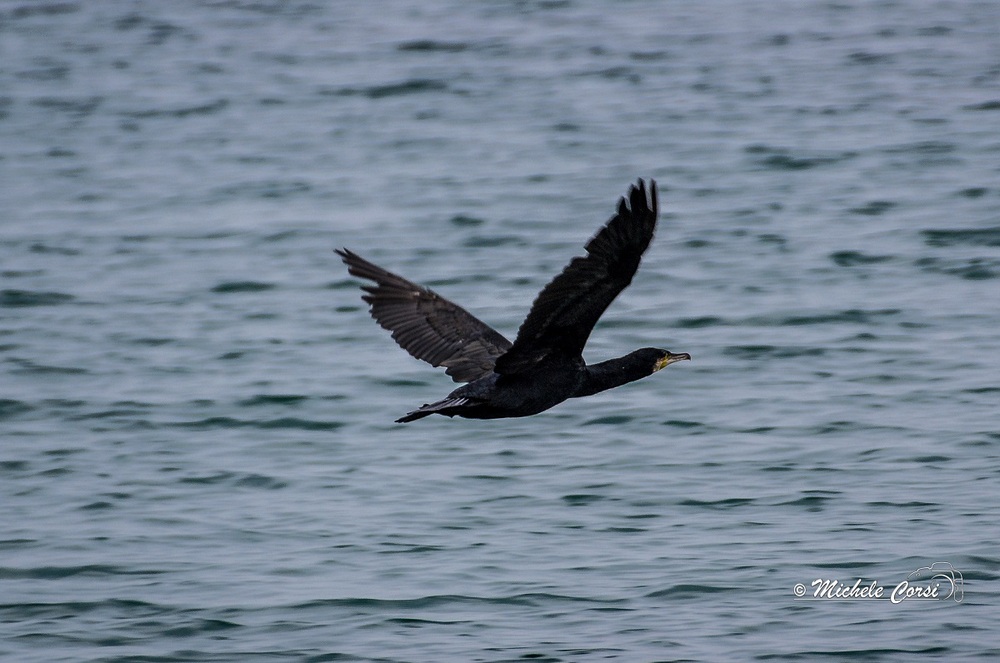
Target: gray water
x,y
197,454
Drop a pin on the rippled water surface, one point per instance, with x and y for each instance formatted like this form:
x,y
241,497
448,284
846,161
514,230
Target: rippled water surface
x,y
198,460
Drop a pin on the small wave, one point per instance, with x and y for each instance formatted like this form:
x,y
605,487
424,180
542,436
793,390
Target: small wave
x,y
410,622
981,390
218,477
242,286
972,269
200,626
45,9
280,236
874,208
993,105
463,220
412,86
60,572
27,366
776,158
610,420
263,189
10,408
851,316
758,351
399,382
186,111
810,503
649,56
619,73
582,499
398,548
681,423
300,424
534,599
24,298
982,568
837,427
273,399
483,241
59,610
728,503
933,458
700,322
855,258
624,530
284,422
99,505
115,413
260,481
932,147
151,341
869,58
683,590
956,237
432,46
867,653
238,480
75,107
39,247
13,465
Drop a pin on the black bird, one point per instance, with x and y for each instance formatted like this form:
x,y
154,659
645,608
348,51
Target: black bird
x,y
544,366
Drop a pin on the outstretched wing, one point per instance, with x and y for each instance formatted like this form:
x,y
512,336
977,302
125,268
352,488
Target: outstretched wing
x,y
426,325
566,310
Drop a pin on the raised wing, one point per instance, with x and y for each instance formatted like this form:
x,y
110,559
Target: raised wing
x,y
566,310
426,325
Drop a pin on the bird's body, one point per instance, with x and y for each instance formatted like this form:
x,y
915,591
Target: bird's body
x,y
519,395
544,366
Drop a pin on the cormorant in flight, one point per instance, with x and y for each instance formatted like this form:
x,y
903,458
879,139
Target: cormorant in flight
x,y
544,366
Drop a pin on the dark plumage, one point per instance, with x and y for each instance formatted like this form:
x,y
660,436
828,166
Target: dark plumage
x,y
544,366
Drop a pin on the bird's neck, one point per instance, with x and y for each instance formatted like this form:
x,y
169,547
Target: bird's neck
x,y
610,374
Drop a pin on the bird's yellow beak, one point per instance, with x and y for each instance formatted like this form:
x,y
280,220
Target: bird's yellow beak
x,y
670,359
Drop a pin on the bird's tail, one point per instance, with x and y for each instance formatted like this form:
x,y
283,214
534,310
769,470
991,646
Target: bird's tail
x,y
434,408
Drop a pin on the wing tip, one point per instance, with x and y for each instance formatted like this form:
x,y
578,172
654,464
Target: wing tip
x,y
350,258
639,200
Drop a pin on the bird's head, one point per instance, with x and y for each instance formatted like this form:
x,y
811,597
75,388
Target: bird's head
x,y
663,358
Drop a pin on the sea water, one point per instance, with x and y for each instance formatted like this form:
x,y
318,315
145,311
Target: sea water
x,y
198,460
